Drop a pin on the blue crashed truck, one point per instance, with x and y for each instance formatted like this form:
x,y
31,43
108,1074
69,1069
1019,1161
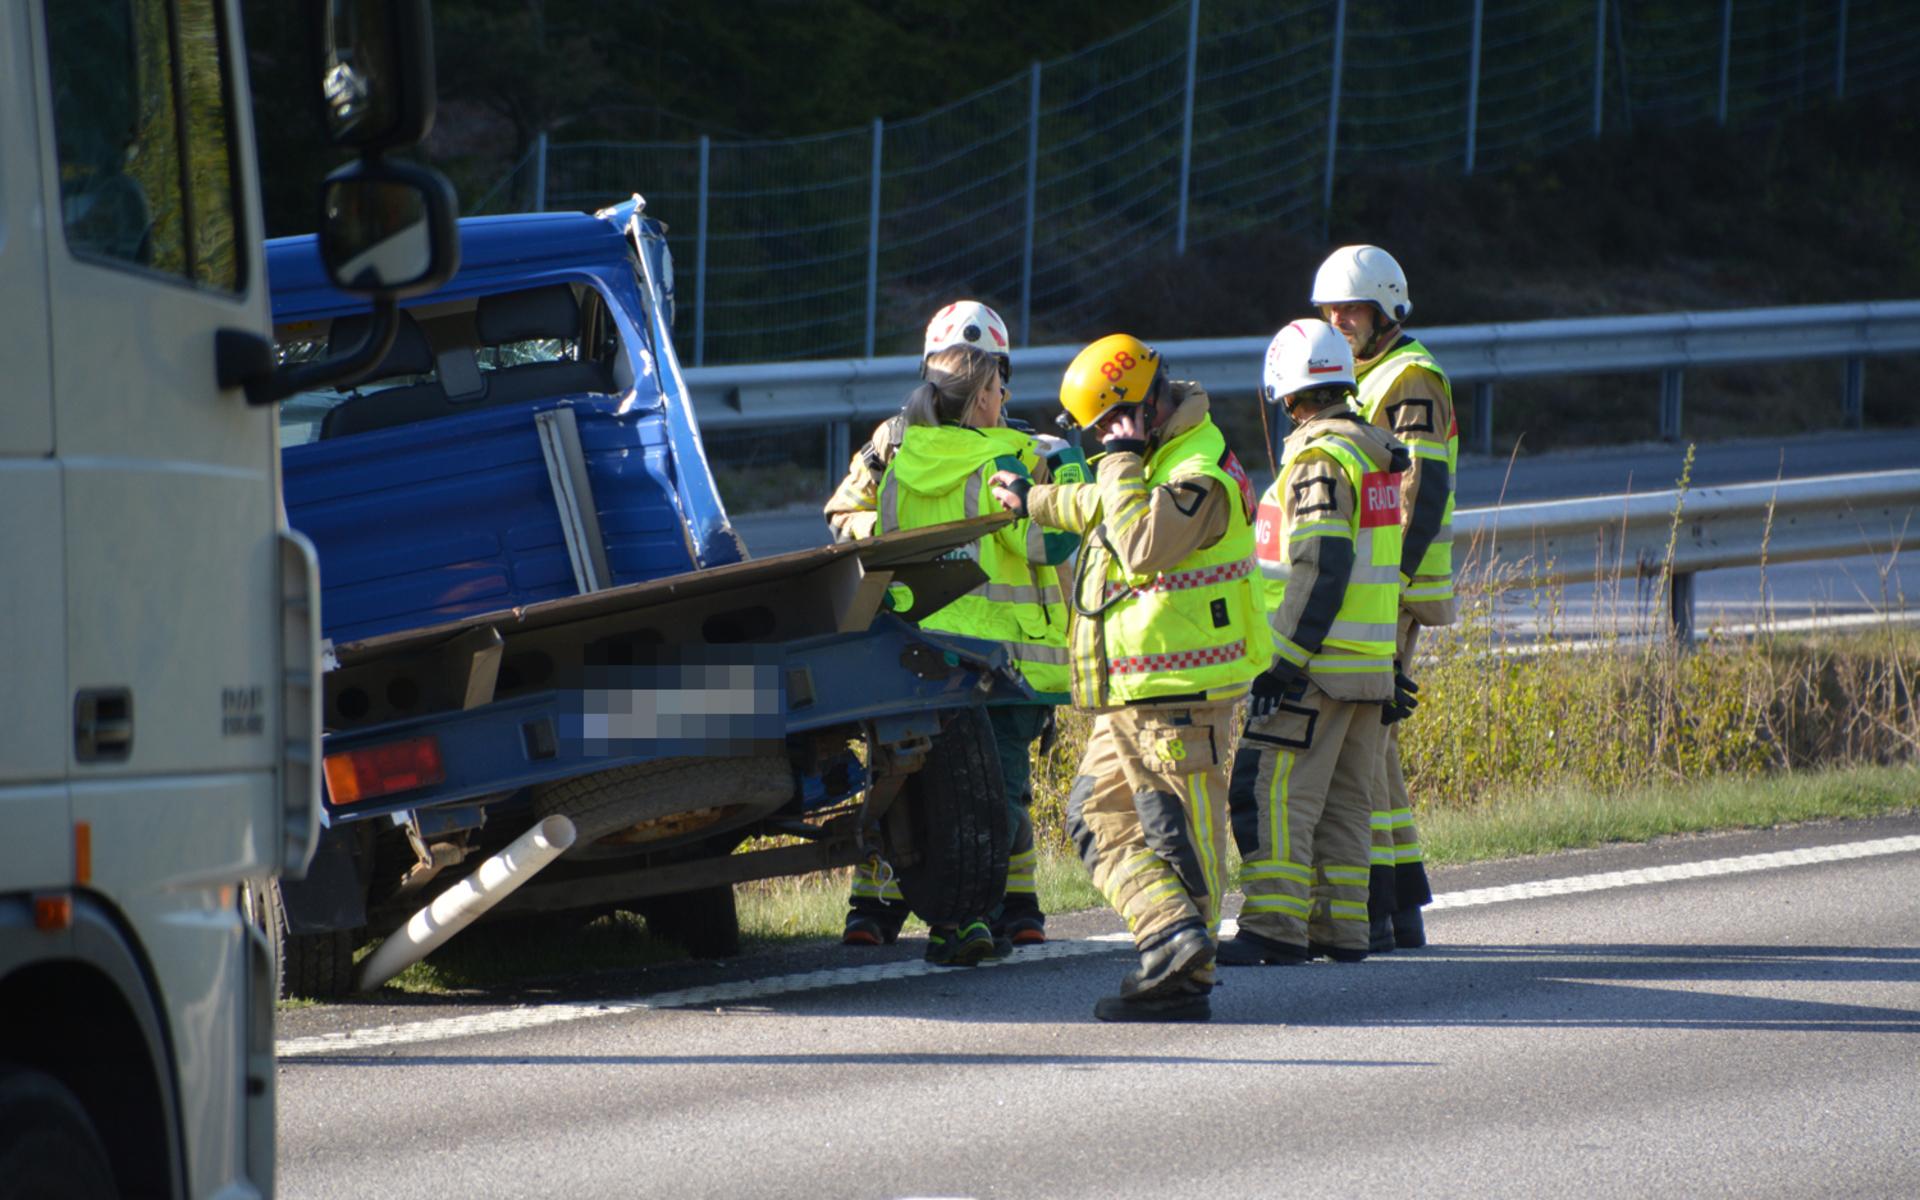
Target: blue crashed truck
x,y
535,605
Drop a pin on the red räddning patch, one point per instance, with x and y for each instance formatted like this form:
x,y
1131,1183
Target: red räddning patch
x,y
1379,499
1266,534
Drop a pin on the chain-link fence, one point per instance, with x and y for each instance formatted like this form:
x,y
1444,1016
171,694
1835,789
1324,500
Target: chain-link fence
x,y
1215,117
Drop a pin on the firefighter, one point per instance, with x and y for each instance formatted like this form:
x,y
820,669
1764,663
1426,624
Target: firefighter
x,y
957,426
1327,545
1165,634
851,511
1362,292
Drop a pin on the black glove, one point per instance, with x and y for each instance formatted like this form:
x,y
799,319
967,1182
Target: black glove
x,y
1273,685
1404,702
1019,487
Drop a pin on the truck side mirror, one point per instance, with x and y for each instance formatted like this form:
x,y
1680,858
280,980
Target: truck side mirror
x,y
388,229
375,71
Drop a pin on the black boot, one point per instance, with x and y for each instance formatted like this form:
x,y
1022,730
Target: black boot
x,y
1187,1001
1249,949
1409,931
1380,934
1167,963
1339,954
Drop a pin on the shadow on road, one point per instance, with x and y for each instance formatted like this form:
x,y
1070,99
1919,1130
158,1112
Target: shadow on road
x,y
1586,986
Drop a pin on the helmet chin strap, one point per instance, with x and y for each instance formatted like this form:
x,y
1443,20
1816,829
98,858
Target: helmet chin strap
x,y
1381,333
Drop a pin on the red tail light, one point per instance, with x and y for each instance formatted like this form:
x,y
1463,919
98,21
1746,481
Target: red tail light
x,y
356,775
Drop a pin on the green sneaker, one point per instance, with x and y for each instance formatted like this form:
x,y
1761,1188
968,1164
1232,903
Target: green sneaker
x,y
968,945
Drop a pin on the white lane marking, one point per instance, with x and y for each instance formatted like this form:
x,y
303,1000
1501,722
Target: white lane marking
x,y
1609,880
354,1041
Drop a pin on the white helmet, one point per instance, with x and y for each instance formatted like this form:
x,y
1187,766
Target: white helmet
x,y
1306,354
967,323
1363,274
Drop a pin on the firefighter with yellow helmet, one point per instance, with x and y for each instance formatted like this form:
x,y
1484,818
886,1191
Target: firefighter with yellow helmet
x,y
928,465
1165,634
1362,292
1328,549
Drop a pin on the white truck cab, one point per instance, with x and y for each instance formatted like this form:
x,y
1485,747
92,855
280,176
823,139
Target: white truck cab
x,y
158,619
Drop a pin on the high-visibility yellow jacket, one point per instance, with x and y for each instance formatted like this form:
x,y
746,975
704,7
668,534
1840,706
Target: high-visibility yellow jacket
x,y
1190,628
939,474
1328,549
1405,392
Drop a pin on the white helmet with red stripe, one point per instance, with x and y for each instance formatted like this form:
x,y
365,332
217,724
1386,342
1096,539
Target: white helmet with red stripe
x,y
1306,354
968,323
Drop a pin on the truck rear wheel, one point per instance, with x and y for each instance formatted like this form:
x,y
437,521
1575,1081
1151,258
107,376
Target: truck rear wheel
x,y
728,790
318,966
49,1149
705,922
955,818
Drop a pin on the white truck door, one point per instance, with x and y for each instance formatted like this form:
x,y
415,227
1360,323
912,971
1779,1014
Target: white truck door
x,y
33,716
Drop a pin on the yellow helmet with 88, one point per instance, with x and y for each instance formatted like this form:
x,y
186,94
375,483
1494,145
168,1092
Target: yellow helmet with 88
x,y
1118,369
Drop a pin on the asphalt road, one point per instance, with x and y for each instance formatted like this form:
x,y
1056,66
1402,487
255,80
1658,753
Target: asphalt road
x,y
1735,1015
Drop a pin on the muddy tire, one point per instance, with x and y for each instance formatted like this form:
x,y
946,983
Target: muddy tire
x,y
704,923
953,811
613,800
318,966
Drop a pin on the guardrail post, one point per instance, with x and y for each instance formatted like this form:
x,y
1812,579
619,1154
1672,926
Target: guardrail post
x,y
1726,57
1599,60
1483,417
1186,126
839,451
1333,106
1670,384
1033,188
1840,56
873,239
1473,82
1853,397
1681,597
700,262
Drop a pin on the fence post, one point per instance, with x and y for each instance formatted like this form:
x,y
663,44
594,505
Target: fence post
x,y
540,171
1853,397
873,239
700,262
1840,56
1033,188
1599,61
1670,384
1333,106
1186,126
1473,82
1483,417
1726,57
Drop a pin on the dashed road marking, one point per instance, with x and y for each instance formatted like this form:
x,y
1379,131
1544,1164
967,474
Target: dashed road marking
x,y
355,1041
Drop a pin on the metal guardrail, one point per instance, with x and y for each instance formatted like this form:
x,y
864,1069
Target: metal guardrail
x,y
1795,520
836,393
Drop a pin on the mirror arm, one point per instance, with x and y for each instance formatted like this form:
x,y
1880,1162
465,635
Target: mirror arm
x,y
245,359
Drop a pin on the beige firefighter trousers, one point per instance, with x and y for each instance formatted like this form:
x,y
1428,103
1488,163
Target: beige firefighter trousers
x,y
1303,779
1148,814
